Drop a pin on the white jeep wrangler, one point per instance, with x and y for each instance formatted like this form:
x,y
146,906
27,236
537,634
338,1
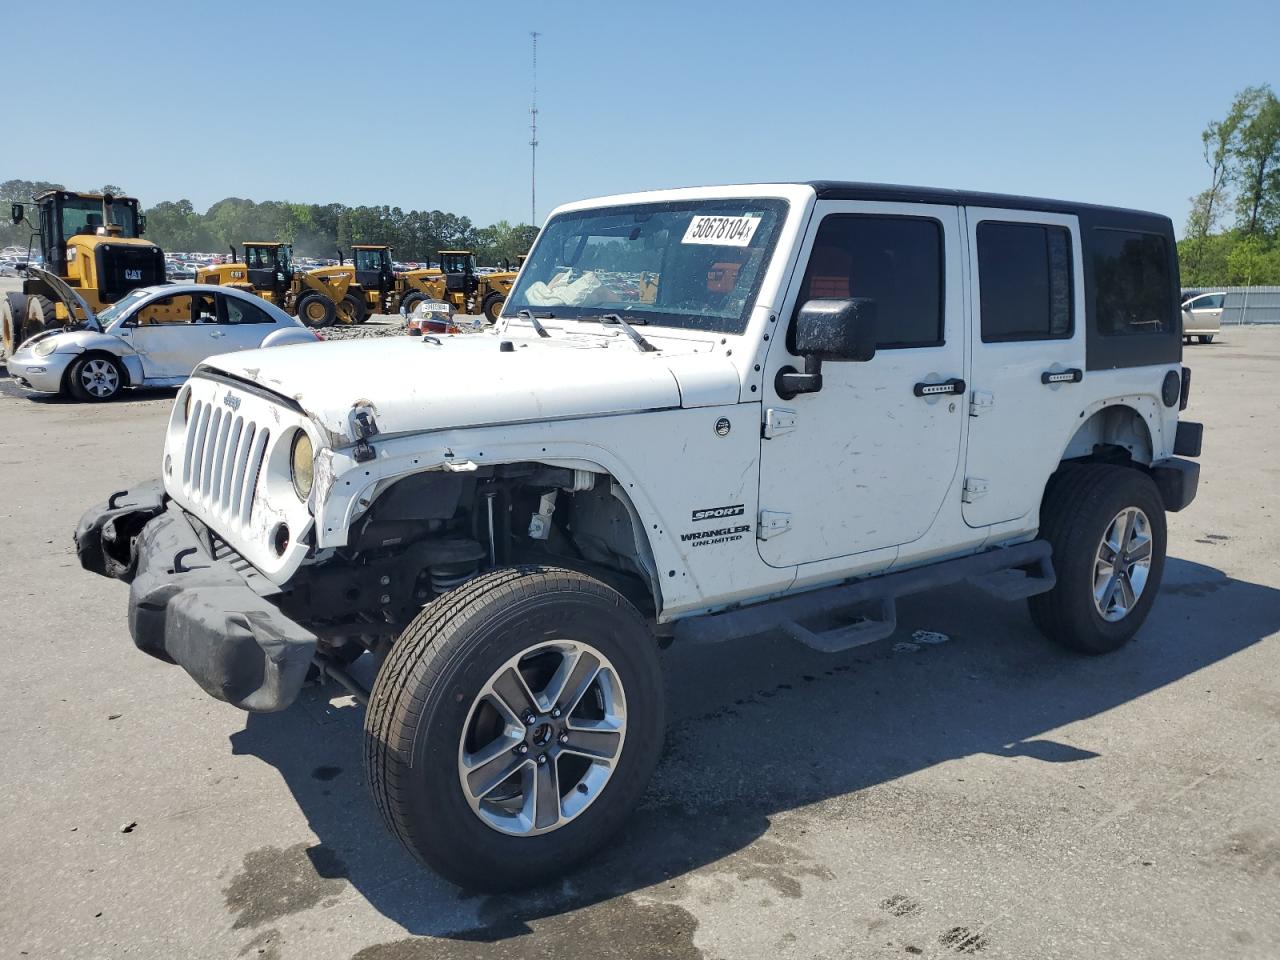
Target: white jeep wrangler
x,y
703,414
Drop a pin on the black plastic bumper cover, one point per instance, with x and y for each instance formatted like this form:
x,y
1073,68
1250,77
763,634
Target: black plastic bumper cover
x,y
189,609
1177,481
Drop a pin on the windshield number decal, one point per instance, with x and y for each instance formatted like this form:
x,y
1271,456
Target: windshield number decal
x,y
722,231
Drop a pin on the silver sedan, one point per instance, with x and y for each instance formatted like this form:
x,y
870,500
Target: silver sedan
x,y
155,336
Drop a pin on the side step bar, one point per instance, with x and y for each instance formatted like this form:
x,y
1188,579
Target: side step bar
x,y
826,620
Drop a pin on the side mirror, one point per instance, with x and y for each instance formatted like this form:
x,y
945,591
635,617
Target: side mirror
x,y
835,330
16,213
142,224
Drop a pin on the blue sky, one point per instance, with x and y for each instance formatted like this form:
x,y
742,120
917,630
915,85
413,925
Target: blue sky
x,y
425,105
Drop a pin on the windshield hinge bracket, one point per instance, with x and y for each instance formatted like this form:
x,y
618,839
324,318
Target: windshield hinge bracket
x,y
777,421
772,523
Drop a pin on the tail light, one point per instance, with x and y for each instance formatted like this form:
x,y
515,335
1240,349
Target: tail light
x,y
1185,395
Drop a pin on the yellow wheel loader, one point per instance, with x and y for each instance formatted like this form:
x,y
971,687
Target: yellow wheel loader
x,y
317,297
381,288
469,291
94,242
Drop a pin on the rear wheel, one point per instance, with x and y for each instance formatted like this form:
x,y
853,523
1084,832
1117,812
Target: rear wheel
x,y
41,316
1206,338
493,306
95,377
1107,528
316,310
13,311
352,309
514,725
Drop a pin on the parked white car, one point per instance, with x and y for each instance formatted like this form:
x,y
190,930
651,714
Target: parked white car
x,y
1202,316
154,337
820,398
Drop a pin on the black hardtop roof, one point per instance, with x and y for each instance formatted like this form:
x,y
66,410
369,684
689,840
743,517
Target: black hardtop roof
x,y
898,193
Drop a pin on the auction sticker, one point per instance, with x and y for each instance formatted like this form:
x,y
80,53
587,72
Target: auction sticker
x,y
722,231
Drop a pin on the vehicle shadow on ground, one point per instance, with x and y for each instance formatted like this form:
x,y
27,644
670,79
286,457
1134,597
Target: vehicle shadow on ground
x,y
763,727
9,388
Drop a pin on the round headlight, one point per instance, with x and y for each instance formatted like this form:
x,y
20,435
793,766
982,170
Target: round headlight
x,y
45,347
300,465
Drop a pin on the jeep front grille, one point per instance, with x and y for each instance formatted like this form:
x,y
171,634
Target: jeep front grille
x,y
224,453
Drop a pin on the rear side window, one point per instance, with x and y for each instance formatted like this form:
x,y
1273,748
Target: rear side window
x,y
1024,281
897,261
241,311
1133,291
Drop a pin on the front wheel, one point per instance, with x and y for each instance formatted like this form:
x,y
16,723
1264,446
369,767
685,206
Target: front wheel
x,y
316,310
95,377
514,726
493,306
1107,527
1206,338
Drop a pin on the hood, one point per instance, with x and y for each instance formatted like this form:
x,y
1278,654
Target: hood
x,y
412,384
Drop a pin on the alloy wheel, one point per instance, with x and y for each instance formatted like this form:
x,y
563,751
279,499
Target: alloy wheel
x,y
542,738
1122,564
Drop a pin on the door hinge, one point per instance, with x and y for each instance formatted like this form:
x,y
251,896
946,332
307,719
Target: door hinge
x,y
772,523
777,421
974,487
980,401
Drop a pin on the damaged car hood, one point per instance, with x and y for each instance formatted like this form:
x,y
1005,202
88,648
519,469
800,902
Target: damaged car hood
x,y
412,384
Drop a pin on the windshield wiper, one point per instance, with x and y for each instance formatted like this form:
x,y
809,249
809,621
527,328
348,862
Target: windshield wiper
x,y
636,336
533,318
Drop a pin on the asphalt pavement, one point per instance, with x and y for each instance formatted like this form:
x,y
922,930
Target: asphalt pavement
x,y
963,788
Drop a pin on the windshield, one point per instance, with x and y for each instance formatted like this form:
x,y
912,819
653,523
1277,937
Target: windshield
x,y
368,260
695,264
81,215
113,313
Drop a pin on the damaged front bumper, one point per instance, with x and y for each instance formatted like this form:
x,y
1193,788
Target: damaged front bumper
x,y
188,608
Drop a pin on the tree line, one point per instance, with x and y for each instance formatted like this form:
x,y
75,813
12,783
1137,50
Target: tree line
x,y
315,230
1233,230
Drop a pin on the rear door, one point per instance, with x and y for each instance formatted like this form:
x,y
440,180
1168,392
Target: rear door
x,y
1028,347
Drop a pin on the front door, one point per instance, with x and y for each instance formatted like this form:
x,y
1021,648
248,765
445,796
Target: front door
x,y
243,323
1028,357
867,461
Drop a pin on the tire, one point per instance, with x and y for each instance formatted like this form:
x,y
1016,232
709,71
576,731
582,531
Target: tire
x,y
352,309
96,377
316,310
493,306
410,301
1206,338
41,315
13,313
1081,505
426,712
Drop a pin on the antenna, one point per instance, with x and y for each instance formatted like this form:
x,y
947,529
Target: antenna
x,y
533,138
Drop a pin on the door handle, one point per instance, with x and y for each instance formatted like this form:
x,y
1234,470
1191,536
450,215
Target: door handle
x,y
1074,375
217,333
953,386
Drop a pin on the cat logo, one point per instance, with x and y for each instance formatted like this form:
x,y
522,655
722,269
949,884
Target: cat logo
x,y
133,274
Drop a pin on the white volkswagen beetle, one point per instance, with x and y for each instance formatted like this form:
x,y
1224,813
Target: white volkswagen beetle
x,y
154,337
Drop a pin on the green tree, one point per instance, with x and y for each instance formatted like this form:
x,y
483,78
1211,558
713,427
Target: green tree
x,y
1256,153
